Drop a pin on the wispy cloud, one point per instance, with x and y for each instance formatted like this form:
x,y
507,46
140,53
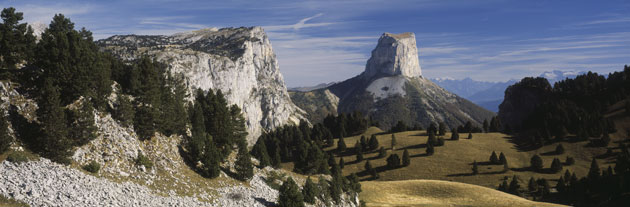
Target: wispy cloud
x,y
299,25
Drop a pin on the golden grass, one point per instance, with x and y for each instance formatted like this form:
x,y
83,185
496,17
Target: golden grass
x,y
437,193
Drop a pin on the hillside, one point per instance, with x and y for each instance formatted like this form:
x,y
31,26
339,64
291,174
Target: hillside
x,y
437,193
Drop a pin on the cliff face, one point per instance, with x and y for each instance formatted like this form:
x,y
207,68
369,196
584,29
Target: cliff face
x,y
521,99
392,89
238,61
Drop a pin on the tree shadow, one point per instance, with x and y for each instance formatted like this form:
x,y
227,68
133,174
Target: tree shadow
x,y
529,169
417,146
420,155
460,174
264,202
550,153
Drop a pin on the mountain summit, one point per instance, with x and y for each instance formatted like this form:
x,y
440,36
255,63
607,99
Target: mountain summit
x,y
395,54
392,89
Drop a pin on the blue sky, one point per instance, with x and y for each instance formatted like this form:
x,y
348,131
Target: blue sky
x,y
331,40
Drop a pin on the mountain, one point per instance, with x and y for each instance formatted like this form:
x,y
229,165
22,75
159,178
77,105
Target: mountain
x,y
462,87
557,75
238,61
311,88
392,89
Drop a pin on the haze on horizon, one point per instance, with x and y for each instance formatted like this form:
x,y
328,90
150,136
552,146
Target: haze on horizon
x,y
324,41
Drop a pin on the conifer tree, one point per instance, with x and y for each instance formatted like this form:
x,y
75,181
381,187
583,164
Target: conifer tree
x,y
309,191
514,186
442,129
289,195
502,159
405,158
494,159
54,142
532,186
368,166
124,112
373,143
430,150
559,149
503,186
454,134
5,139
382,152
570,160
486,127
536,163
594,172
243,165
432,139
260,152
556,165
470,136
336,184
561,185
16,40
475,168
341,145
82,128
393,161
394,142
355,185
359,156
341,163
144,122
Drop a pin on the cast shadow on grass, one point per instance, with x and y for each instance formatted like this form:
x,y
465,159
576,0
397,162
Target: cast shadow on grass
x,y
264,202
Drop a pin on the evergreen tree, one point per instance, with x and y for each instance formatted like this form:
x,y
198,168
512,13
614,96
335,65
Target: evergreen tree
x,y
394,142
454,134
559,149
82,124
144,122
16,39
336,184
5,139
442,129
364,143
494,159
514,186
260,152
594,172
405,158
432,129
532,186
54,142
544,187
432,139
475,168
373,143
430,150
210,159
561,185
440,142
502,159
124,112
486,127
359,156
469,135
382,152
368,166
567,177
393,161
536,163
570,161
341,145
243,165
556,165
503,186
309,191
341,163
289,195
355,185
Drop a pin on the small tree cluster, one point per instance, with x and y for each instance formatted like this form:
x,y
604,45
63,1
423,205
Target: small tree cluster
x,y
393,161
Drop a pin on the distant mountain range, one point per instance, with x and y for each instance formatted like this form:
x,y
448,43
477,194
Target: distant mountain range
x,y
490,94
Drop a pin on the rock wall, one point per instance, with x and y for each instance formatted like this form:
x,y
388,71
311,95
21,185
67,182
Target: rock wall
x,y
395,54
238,61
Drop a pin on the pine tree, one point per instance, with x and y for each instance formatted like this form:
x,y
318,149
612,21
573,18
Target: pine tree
x,y
532,186
514,186
289,195
382,152
494,159
393,143
373,143
432,139
341,145
454,134
561,186
54,142
355,185
367,166
124,112
405,158
594,172
243,165
393,161
567,177
144,122
210,159
556,165
16,40
559,149
486,127
336,184
260,152
475,168
359,156
442,129
503,186
502,159
469,135
536,163
570,161
430,150
309,191
341,163
5,139
82,124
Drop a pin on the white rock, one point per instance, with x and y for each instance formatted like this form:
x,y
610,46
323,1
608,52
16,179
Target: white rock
x,y
395,54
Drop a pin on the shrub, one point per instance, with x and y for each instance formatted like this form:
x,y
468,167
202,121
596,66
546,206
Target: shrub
x,y
536,163
93,167
440,142
17,157
144,161
570,161
393,161
559,149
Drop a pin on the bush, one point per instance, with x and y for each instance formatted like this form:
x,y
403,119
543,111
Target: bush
x,y
144,161
440,142
570,161
559,149
93,167
17,157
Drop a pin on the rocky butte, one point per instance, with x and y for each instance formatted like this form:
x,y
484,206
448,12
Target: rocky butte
x,y
238,61
392,89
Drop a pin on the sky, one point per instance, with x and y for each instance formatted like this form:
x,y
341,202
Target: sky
x,y
330,40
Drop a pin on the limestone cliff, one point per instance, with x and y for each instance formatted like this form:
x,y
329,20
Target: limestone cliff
x,y
392,89
238,61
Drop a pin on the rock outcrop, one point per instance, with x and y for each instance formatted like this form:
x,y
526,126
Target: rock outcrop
x,y
392,89
521,99
238,61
